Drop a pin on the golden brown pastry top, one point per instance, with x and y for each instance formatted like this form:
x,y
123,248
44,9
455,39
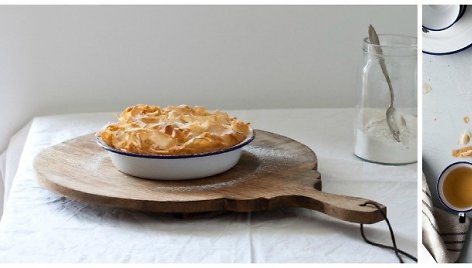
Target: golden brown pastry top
x,y
173,130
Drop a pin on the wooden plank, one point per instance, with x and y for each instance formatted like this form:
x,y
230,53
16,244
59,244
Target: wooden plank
x,y
274,172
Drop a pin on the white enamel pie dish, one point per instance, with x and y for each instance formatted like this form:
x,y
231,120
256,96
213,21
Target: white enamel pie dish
x,y
452,40
440,17
176,167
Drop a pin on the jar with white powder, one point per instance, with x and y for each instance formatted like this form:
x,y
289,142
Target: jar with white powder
x,y
374,141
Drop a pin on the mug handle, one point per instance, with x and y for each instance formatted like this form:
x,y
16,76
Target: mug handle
x,y
461,217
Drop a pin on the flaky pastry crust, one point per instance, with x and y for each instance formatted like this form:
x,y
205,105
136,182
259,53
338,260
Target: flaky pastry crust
x,y
173,130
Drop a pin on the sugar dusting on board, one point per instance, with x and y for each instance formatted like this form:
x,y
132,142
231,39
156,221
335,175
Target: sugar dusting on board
x,y
375,142
273,157
270,158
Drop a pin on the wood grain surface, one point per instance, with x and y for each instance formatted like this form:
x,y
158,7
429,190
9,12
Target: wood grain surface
x,y
274,172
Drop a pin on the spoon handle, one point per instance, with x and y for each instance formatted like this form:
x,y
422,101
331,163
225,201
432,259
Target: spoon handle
x,y
374,39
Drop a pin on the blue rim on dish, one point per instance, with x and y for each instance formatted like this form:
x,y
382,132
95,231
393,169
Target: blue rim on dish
x,y
463,8
459,15
245,142
447,53
439,182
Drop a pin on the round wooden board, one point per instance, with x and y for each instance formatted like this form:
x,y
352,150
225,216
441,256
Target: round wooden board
x,y
274,171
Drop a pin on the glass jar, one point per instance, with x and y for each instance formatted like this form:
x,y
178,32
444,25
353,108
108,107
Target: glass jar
x,y
374,140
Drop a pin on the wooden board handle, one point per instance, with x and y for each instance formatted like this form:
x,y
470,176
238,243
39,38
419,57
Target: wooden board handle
x,y
347,208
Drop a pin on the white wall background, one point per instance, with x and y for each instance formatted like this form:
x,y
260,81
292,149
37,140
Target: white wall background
x,y
64,59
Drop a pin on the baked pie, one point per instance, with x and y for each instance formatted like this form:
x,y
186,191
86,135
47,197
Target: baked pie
x,y
173,130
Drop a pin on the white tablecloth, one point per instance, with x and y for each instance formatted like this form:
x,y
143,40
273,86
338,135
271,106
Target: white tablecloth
x,y
444,109
39,226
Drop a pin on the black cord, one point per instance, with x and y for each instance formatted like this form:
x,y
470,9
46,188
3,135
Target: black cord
x,y
392,235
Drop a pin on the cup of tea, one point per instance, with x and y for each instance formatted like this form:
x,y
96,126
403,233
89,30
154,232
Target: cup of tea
x,y
455,188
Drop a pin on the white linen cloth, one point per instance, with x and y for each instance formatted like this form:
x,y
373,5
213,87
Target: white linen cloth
x,y
3,165
39,226
443,235
9,161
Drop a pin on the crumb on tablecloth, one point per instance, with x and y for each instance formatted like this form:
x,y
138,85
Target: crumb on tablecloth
x,y
462,152
465,138
426,88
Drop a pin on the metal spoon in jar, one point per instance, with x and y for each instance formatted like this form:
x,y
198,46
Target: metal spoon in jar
x,y
391,112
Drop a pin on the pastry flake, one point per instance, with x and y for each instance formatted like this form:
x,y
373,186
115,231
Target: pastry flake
x,y
173,130
465,138
462,152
